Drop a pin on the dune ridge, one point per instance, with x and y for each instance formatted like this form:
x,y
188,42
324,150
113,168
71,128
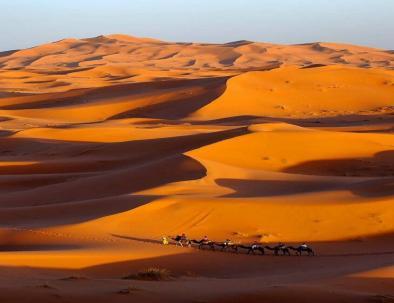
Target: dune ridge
x,y
111,59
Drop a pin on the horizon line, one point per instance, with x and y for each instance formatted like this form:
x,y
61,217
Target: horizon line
x,y
158,40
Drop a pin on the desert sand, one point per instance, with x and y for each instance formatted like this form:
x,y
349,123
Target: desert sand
x,y
110,143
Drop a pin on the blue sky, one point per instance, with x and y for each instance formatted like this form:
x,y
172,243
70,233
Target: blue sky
x,y
25,23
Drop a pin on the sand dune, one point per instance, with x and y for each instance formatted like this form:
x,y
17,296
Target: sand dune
x,y
109,143
265,149
289,92
107,60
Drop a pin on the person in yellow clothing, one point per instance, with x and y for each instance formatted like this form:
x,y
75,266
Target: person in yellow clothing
x,y
165,240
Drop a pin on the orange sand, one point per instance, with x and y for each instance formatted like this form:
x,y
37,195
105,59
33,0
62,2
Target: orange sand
x,y
110,143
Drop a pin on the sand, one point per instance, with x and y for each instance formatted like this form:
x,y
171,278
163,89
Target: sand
x,y
109,143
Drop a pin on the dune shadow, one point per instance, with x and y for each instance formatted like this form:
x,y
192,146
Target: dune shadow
x,y
214,87
380,165
334,121
376,187
54,214
6,133
62,72
270,188
183,106
118,182
107,155
313,65
383,187
8,53
231,121
219,264
98,170
146,240
37,247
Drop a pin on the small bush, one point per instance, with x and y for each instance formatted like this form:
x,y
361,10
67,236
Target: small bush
x,y
151,274
46,285
128,290
73,278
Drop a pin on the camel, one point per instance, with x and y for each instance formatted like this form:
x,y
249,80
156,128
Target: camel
x,y
181,240
236,247
177,240
279,248
222,245
202,243
259,248
300,249
252,248
226,245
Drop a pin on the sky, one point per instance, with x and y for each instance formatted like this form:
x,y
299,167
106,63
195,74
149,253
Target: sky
x,y
25,23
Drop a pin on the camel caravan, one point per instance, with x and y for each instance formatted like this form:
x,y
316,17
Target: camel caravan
x,y
229,246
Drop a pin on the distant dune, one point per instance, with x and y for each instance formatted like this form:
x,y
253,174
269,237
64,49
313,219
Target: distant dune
x,y
107,144
107,60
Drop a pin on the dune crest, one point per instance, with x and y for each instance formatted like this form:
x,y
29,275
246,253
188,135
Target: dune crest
x,y
112,59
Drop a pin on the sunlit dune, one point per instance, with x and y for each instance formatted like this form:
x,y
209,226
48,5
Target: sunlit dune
x,y
109,143
114,132
278,147
311,92
108,60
